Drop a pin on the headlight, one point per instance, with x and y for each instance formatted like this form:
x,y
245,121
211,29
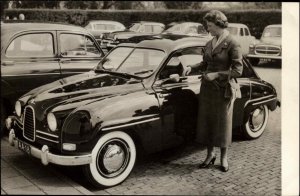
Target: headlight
x,y
18,108
51,120
101,36
251,46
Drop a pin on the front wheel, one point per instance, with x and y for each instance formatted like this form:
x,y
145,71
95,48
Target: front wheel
x,y
113,158
256,123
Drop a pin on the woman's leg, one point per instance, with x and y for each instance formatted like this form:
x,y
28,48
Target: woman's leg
x,y
224,161
210,154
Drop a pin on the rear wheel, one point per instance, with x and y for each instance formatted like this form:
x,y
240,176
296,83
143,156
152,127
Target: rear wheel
x,y
113,158
256,123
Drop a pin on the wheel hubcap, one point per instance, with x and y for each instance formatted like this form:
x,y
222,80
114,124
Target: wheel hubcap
x,y
257,119
113,158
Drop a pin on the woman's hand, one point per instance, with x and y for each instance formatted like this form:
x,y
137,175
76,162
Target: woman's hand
x,y
211,76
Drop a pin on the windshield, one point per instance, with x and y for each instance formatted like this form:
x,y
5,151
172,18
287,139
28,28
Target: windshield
x,y
272,32
232,30
135,27
135,61
175,29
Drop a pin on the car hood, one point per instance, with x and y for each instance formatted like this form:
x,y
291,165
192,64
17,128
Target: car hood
x,y
271,40
71,92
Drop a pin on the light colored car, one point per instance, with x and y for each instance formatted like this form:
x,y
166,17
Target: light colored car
x,y
242,34
268,47
187,28
99,28
140,28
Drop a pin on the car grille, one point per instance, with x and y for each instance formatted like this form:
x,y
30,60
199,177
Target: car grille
x,y
269,50
29,124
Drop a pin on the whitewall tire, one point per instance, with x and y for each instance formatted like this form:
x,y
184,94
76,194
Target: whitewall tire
x,y
113,159
256,123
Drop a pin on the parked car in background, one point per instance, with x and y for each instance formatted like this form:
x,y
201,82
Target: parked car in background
x,y
187,28
269,47
138,97
242,34
33,54
101,28
136,28
178,30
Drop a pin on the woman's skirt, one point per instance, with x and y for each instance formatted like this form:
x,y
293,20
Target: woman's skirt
x,y
214,125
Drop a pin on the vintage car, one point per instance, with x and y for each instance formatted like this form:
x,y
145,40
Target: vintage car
x,y
101,28
268,47
136,28
137,100
187,28
34,54
177,31
242,34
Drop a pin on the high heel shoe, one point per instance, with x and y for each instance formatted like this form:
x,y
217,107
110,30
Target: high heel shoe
x,y
224,169
206,165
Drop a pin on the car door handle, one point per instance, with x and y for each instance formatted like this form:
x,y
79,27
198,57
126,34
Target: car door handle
x,y
7,63
164,95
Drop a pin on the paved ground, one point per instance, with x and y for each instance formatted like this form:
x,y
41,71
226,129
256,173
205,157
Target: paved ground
x,y
21,174
255,168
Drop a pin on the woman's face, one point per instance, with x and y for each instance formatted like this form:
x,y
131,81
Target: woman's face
x,y
213,29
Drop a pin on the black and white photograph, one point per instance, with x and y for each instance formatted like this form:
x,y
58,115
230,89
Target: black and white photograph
x,y
149,98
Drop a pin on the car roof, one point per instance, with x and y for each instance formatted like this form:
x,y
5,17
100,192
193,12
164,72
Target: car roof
x,y
236,25
169,45
188,23
16,27
149,22
274,25
104,22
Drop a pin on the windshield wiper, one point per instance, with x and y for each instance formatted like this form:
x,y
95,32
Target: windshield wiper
x,y
126,75
143,71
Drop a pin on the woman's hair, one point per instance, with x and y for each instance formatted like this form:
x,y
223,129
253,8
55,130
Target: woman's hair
x,y
217,17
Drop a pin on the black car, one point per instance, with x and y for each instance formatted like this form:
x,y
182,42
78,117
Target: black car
x,y
137,98
34,54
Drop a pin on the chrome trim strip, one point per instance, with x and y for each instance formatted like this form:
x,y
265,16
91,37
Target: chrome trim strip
x,y
264,101
130,124
33,123
51,135
47,139
258,99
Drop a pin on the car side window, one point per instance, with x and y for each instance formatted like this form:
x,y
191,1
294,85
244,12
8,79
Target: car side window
x,y
180,60
246,32
76,45
241,32
148,29
157,29
31,45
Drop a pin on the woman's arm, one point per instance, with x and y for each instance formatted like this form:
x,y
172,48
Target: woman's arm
x,y
235,56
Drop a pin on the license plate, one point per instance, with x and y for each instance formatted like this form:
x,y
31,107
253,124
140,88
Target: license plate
x,y
24,147
266,60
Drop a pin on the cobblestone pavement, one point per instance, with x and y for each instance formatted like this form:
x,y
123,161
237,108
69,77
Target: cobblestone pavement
x,y
255,169
21,174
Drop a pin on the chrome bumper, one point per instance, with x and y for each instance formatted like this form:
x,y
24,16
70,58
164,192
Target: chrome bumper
x,y
264,56
47,157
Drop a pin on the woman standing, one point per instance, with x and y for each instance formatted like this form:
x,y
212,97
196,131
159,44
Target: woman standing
x,y
222,59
